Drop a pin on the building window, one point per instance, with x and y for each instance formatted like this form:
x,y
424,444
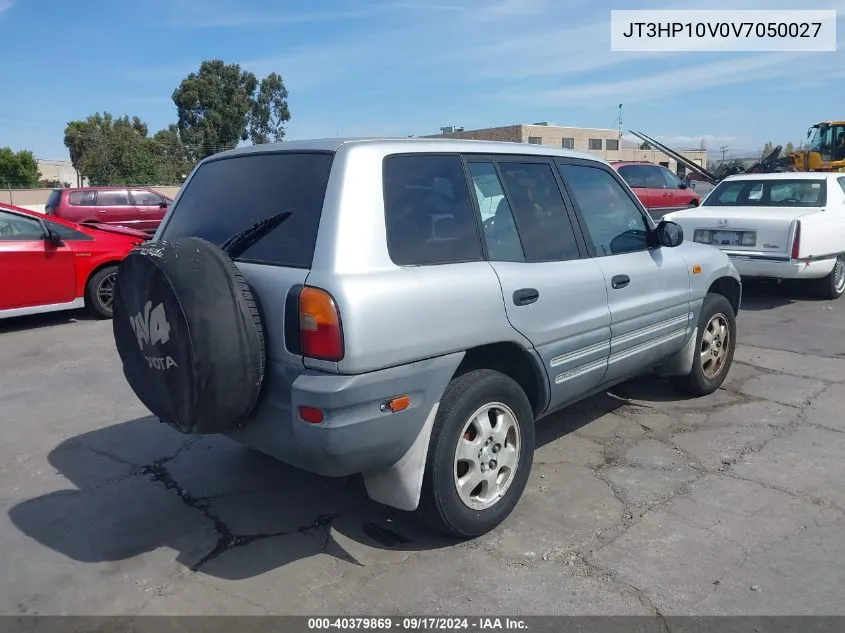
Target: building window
x,y
535,140
595,143
568,143
612,144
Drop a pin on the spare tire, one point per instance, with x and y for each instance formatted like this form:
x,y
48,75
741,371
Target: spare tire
x,y
189,334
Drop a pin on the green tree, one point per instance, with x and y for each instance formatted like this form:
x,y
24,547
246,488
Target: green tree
x,y
119,151
790,148
221,105
18,170
645,145
270,111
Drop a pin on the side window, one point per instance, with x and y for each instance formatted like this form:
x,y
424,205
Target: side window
x,y
544,226
614,222
82,198
654,177
113,198
841,182
145,198
428,211
67,233
499,228
17,227
672,181
634,175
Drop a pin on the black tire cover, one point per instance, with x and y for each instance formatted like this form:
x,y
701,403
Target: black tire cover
x,y
189,334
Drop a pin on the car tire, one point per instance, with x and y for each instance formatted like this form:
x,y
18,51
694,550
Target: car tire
x,y
99,292
833,286
716,338
504,452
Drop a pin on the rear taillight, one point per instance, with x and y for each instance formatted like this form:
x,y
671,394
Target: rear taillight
x,y
796,241
320,331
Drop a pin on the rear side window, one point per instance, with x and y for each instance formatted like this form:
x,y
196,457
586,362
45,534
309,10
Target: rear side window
x,y
227,196
428,211
113,199
82,198
635,175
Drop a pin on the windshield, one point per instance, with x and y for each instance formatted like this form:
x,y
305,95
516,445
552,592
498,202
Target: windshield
x,y
225,197
768,193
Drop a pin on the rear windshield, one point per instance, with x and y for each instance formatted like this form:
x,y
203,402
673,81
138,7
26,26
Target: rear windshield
x,y
53,200
229,195
768,193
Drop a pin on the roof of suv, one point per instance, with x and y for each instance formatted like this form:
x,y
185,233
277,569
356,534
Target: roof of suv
x,y
625,163
403,144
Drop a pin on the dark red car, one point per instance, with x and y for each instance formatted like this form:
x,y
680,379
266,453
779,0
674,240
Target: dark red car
x,y
48,264
657,187
134,207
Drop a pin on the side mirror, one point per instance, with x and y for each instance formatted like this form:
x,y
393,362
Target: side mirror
x,y
669,234
52,238
163,205
683,185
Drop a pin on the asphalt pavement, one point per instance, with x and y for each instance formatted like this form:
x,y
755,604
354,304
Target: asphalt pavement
x,y
639,502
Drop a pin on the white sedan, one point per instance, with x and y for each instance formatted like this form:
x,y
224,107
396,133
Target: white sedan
x,y
778,226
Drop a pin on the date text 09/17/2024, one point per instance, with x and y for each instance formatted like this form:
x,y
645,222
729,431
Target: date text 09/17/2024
x,y
481,624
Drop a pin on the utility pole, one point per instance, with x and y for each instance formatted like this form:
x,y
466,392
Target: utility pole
x,y
619,123
723,148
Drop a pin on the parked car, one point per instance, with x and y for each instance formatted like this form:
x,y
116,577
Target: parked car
x,y
134,207
657,187
49,264
780,226
343,307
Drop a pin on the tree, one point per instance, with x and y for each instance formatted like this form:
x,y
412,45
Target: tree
x,y
18,170
790,148
119,151
222,105
768,148
645,145
270,111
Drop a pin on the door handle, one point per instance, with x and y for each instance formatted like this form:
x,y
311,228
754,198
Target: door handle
x,y
619,281
524,296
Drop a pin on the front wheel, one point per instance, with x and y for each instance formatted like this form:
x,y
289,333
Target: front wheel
x,y
479,459
99,292
833,286
715,344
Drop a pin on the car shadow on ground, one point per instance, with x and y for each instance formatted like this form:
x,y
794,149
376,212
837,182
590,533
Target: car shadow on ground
x,y
762,295
141,486
48,319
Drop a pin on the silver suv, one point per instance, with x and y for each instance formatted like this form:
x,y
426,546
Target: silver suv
x,y
407,309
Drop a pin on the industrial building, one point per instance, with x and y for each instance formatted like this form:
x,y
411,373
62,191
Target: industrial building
x,y
605,143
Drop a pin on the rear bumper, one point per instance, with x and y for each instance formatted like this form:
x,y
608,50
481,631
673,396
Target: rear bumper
x,y
355,436
771,268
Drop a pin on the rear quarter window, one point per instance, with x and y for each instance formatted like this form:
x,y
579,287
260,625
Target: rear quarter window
x,y
228,195
428,211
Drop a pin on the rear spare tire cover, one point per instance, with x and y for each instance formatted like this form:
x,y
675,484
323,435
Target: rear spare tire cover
x,y
189,335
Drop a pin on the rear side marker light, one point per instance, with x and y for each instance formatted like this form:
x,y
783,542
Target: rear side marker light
x,y
311,415
796,242
396,405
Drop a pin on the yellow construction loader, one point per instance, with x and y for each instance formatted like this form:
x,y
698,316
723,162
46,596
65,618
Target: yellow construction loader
x,y
826,151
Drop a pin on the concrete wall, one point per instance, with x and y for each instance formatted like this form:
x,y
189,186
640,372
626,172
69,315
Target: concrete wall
x,y
35,199
554,135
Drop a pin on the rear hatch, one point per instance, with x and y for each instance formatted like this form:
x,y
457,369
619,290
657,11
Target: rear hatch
x,y
53,201
228,195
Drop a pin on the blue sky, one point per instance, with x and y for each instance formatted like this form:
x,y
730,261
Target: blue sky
x,y
371,67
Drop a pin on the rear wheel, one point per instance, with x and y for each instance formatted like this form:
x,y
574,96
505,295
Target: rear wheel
x,y
99,292
833,286
480,454
715,344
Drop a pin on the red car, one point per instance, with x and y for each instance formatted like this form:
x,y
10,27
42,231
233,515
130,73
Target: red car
x,y
133,207
48,264
658,189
